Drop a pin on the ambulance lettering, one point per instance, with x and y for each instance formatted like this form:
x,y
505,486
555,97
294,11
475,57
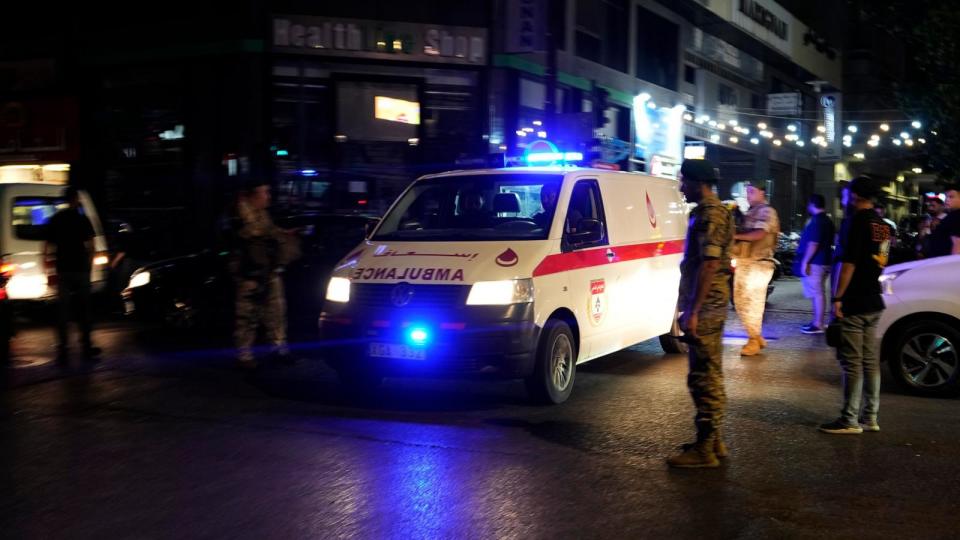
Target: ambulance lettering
x,y
597,307
407,274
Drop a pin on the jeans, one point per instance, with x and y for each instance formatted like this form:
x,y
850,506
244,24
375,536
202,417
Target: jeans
x,y
861,367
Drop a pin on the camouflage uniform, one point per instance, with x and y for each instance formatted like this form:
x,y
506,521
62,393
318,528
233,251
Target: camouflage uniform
x,y
259,288
755,269
709,236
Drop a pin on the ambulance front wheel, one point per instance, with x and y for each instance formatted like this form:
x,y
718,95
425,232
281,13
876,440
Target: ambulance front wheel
x,y
359,380
556,365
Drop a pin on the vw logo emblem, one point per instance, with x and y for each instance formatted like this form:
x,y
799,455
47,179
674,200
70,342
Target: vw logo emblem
x,y
401,295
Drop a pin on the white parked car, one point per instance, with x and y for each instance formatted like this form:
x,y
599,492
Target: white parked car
x,y
920,329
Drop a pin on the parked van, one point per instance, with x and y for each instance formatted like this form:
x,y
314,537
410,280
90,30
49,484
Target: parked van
x,y
518,272
26,207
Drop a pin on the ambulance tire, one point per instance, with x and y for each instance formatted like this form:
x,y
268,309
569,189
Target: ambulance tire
x,y
360,382
556,365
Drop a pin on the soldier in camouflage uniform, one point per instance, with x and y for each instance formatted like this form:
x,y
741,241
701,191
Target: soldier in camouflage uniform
x,y
704,294
256,266
756,242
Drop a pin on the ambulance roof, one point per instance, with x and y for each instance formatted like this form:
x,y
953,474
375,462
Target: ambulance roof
x,y
564,170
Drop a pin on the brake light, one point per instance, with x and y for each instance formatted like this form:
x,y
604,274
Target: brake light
x,y
7,268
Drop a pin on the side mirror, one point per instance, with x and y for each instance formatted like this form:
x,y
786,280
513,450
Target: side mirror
x,y
370,227
589,231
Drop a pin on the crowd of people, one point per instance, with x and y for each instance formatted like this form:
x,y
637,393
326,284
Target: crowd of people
x,y
854,256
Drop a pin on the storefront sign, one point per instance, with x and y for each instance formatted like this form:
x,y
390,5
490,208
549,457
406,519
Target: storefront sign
x,y
397,110
659,136
830,106
787,104
766,20
526,25
380,40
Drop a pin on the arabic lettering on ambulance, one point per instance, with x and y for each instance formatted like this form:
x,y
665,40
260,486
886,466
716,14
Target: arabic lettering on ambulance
x,y
408,274
392,253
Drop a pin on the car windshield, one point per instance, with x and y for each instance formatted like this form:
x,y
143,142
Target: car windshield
x,y
474,208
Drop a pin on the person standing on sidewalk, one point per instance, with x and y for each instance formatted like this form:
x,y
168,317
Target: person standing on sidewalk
x,y
812,263
70,243
704,295
945,239
857,304
757,240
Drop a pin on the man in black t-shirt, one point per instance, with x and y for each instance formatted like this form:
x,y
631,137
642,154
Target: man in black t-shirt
x,y
945,239
857,304
70,238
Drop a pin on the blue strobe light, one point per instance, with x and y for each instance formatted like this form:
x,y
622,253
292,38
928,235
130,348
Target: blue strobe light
x,y
418,336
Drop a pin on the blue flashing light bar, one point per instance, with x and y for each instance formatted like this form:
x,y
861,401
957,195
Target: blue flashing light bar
x,y
418,336
308,172
553,157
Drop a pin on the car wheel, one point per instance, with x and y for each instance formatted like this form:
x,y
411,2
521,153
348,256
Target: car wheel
x,y
925,358
556,365
360,381
670,343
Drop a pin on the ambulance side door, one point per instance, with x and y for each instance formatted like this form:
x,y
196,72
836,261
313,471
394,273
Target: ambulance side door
x,y
586,244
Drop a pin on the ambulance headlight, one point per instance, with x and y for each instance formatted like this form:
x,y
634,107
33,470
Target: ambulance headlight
x,y
501,293
338,290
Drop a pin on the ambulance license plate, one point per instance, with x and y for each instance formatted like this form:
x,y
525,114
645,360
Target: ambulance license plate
x,y
402,352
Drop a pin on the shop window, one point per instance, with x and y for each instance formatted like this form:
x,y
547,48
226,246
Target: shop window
x,y
726,95
657,49
601,32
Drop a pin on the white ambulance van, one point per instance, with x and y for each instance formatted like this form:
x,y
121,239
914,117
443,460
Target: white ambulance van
x,y
26,208
517,272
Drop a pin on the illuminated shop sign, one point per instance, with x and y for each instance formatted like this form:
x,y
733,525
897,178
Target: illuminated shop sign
x,y
659,136
380,40
396,110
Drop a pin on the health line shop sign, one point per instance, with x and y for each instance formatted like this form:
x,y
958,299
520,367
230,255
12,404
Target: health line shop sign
x,y
380,40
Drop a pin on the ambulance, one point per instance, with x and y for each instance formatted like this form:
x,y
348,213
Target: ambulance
x,y
520,272
29,196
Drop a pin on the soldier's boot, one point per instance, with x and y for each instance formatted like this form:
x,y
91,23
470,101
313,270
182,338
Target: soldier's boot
x,y
752,347
763,342
700,456
719,447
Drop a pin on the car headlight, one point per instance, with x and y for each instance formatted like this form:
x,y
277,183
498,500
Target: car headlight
x,y
886,281
501,293
338,290
101,260
139,279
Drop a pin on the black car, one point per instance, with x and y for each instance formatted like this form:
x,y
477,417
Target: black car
x,y
195,292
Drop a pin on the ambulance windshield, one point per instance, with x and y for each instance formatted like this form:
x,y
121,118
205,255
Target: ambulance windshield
x,y
475,208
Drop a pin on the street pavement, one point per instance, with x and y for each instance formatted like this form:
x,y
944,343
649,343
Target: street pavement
x,y
164,439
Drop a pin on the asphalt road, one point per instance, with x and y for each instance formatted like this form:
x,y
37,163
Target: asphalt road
x,y
164,439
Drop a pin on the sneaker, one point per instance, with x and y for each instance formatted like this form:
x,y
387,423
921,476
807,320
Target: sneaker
x,y
839,427
870,426
811,329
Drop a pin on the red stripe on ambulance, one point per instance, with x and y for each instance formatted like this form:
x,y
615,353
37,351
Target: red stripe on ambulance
x,y
576,260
